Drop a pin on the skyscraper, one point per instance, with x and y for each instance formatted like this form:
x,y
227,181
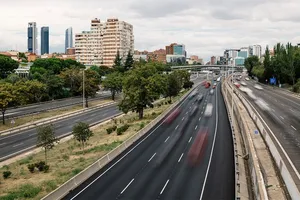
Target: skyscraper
x,y
44,40
69,39
100,45
32,37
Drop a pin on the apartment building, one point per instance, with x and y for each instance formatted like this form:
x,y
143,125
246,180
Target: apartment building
x,y
100,45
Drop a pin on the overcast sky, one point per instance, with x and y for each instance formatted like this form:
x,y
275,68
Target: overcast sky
x,y
206,27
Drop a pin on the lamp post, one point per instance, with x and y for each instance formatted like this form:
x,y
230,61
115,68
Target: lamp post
x,y
83,89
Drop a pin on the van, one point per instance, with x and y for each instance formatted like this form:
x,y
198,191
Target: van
x,y
208,110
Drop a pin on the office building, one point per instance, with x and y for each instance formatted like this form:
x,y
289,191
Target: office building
x,y
68,39
256,50
175,49
99,46
32,37
213,60
44,40
70,51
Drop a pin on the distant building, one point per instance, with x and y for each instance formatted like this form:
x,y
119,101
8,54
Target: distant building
x,y
194,58
239,61
70,51
170,49
31,57
68,39
100,45
243,54
158,55
255,50
44,40
176,49
176,59
213,60
32,37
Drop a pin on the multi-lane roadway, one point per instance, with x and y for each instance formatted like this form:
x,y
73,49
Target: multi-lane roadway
x,y
145,171
282,115
49,105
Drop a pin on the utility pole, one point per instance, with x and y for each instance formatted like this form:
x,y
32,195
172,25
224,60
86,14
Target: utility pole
x,y
83,90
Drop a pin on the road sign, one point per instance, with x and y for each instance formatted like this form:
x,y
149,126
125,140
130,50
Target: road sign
x,y
256,132
273,81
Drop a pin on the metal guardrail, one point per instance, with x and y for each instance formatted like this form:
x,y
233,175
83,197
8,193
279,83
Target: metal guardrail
x,y
74,182
52,119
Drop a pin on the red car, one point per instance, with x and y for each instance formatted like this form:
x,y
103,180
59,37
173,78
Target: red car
x,y
198,148
172,116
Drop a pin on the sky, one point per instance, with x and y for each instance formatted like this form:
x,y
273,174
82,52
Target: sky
x,y
206,27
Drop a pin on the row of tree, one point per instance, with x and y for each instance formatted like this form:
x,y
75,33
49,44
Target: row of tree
x,y
284,65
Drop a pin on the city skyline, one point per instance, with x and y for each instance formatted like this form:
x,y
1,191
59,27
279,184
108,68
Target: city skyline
x,y
204,28
44,40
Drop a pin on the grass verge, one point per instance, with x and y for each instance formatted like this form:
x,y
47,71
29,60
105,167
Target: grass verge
x,y
68,159
32,118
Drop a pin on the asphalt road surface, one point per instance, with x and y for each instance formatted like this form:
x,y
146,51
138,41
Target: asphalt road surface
x,y
17,143
283,118
144,172
35,108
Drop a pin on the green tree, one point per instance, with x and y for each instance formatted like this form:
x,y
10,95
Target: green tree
x,y
267,64
290,69
91,84
72,80
13,78
141,87
113,83
7,66
46,138
82,133
250,62
258,71
55,87
118,63
173,85
7,97
129,62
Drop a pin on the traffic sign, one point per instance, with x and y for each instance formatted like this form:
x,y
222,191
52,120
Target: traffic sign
x,y
256,132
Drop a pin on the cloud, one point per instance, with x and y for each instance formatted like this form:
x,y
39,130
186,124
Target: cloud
x,y
206,27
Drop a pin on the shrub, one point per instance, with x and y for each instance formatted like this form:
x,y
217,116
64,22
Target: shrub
x,y
122,129
114,128
31,167
5,167
40,165
6,174
65,157
153,113
170,101
28,191
50,185
142,125
109,130
81,159
76,171
46,168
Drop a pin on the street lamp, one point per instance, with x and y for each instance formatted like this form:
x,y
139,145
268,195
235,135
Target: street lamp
x,y
83,89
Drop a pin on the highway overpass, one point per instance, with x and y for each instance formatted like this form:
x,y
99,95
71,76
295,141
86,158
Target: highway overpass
x,y
208,67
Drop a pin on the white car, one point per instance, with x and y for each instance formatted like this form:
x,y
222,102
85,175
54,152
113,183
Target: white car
x,y
211,91
243,83
258,87
247,79
262,104
208,110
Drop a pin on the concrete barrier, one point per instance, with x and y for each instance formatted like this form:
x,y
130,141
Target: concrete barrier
x,y
286,174
64,189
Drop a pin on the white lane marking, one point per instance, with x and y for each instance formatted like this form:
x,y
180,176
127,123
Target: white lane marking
x,y
186,112
127,186
292,110
176,127
293,127
282,104
212,149
124,155
152,157
281,117
164,186
196,127
2,144
33,134
18,144
190,139
180,157
182,118
273,110
167,138
200,119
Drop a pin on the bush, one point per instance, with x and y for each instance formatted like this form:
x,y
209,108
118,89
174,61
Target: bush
x,y
142,125
122,129
28,191
153,113
40,165
65,157
31,167
296,87
111,129
46,168
6,174
169,101
81,159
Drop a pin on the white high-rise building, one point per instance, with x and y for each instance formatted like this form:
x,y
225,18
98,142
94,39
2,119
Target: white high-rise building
x,y
255,51
100,45
32,44
68,39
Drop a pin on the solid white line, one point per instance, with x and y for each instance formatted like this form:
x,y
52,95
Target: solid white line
x,y
127,186
281,117
167,138
180,157
164,186
2,144
293,127
182,118
18,144
176,127
273,110
196,127
212,148
123,156
33,134
200,119
152,157
186,112
190,139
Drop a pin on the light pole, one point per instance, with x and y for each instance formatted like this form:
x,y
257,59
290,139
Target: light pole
x,y
83,90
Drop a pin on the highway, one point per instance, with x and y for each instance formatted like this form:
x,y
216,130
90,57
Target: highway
x,y
145,171
49,105
282,117
19,142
